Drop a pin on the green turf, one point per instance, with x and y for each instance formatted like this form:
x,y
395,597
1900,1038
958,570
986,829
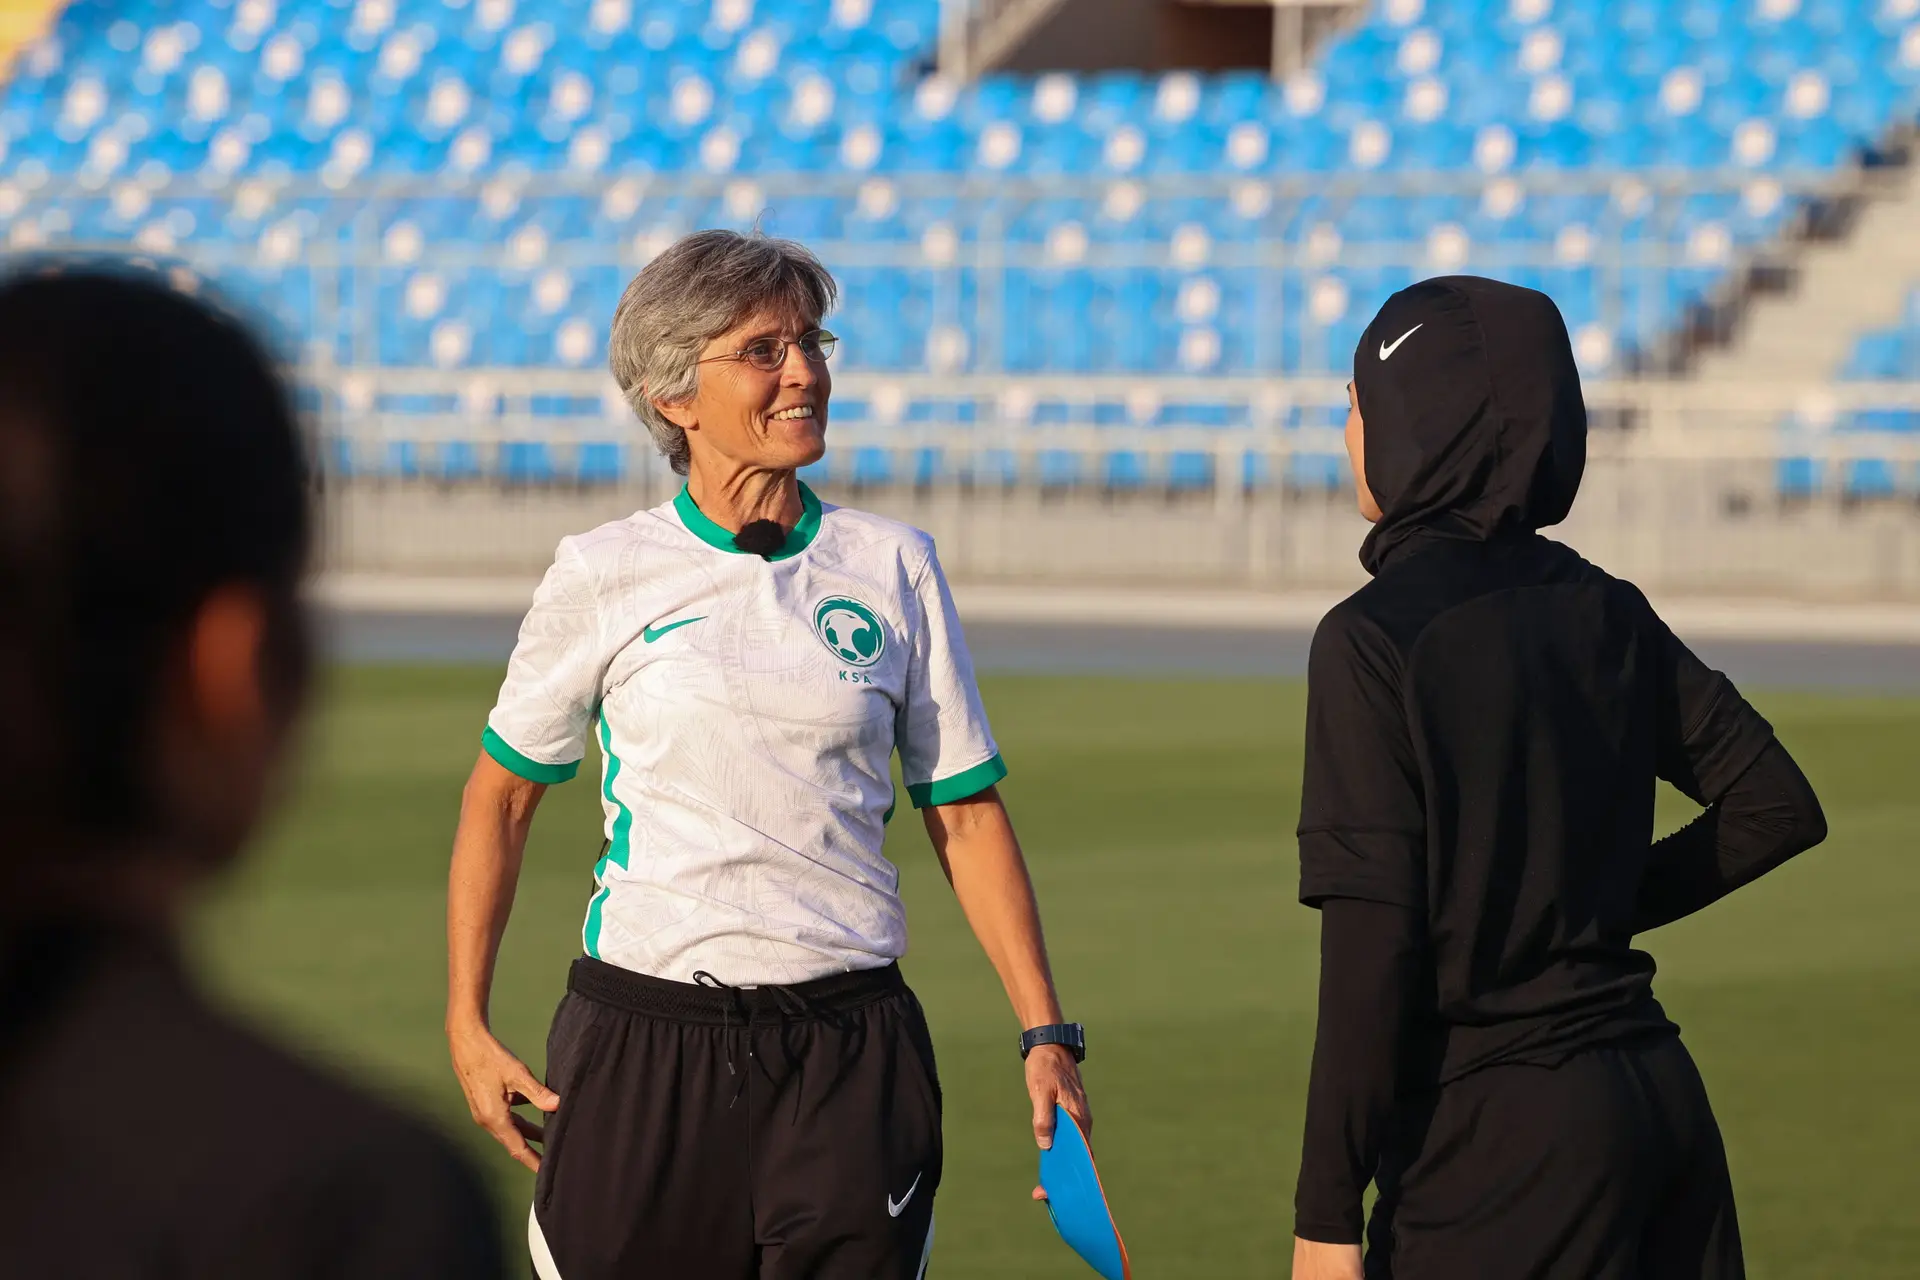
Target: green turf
x,y
1157,816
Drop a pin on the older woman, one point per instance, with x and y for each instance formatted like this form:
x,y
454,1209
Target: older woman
x,y
742,1085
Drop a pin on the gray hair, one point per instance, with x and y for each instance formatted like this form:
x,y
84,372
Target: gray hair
x,y
702,286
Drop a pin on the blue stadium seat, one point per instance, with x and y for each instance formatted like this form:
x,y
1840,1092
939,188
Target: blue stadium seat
x,y
929,466
1187,469
402,460
1798,477
526,462
1058,468
994,467
871,466
601,462
1879,354
560,125
459,460
1124,469
1316,471
1869,478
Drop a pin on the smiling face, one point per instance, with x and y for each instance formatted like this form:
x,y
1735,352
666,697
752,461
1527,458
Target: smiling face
x,y
746,417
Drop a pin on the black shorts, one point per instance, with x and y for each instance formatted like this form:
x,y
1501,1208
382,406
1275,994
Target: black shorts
x,y
1608,1166
709,1133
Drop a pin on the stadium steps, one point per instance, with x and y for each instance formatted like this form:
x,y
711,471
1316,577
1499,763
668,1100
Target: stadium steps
x,y
1842,287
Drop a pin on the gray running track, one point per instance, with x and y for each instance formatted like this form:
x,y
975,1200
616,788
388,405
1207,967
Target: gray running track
x,y
1079,648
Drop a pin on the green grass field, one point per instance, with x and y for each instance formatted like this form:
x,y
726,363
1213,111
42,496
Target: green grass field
x,y
1158,819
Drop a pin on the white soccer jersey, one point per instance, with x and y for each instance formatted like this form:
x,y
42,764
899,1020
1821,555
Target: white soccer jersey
x,y
746,711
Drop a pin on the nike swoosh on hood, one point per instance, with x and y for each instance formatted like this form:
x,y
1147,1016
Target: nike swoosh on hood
x,y
1477,430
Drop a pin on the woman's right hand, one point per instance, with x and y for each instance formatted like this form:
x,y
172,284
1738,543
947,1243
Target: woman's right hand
x,y
495,1082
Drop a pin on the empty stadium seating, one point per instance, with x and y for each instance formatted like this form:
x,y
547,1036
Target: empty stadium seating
x,y
1891,354
467,184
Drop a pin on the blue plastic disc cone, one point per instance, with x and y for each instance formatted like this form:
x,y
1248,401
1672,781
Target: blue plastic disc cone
x,y
1078,1205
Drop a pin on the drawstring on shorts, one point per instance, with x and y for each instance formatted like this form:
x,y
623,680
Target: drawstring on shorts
x,y
701,978
793,1004
710,1002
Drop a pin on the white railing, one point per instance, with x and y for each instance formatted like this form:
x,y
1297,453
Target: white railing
x,y
1690,487
1677,524
1645,418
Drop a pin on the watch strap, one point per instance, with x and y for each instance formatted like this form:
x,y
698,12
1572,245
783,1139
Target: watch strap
x,y
1071,1035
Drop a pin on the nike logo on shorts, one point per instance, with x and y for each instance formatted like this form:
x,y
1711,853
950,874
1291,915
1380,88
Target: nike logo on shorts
x,y
650,634
894,1208
1387,349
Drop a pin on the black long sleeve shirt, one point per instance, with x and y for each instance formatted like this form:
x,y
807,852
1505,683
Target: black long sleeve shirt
x,y
1373,1015
1769,815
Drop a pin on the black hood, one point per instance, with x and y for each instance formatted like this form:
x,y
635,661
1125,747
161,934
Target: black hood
x,y
1475,426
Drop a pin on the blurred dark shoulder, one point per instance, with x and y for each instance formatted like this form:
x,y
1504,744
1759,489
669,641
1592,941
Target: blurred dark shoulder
x,y
148,1133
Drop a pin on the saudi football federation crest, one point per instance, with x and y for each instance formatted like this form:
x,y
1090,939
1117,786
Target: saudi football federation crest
x,y
850,629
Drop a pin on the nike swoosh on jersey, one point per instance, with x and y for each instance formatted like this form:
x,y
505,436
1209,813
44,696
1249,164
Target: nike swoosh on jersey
x,y
894,1209
1388,349
650,634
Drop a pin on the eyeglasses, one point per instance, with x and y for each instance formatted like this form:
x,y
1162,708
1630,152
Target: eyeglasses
x,y
769,354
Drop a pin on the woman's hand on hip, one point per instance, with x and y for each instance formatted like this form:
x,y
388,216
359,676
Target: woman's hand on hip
x,y
495,1082
1053,1077
1316,1260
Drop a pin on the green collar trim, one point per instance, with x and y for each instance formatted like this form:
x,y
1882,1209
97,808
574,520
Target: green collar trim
x,y
713,535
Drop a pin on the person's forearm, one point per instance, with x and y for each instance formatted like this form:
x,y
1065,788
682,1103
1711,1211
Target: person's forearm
x,y
1370,962
978,850
496,813
1768,816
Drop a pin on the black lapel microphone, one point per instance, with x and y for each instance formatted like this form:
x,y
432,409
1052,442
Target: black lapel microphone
x,y
763,538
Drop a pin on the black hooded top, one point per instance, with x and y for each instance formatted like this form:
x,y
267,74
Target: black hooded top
x,y
1481,428
1485,723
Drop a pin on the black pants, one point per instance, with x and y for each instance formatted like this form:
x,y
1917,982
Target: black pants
x,y
707,1133
1608,1166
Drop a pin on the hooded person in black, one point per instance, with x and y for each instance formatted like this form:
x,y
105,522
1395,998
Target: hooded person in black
x,y
1486,720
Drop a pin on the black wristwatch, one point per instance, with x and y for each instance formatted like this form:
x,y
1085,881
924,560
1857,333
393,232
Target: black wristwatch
x,y
1070,1034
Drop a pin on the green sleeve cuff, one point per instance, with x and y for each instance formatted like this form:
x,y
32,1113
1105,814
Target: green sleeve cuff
x,y
513,762
961,785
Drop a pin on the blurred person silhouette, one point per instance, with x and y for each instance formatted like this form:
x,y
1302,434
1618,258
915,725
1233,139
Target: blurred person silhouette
x,y
1485,723
154,527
